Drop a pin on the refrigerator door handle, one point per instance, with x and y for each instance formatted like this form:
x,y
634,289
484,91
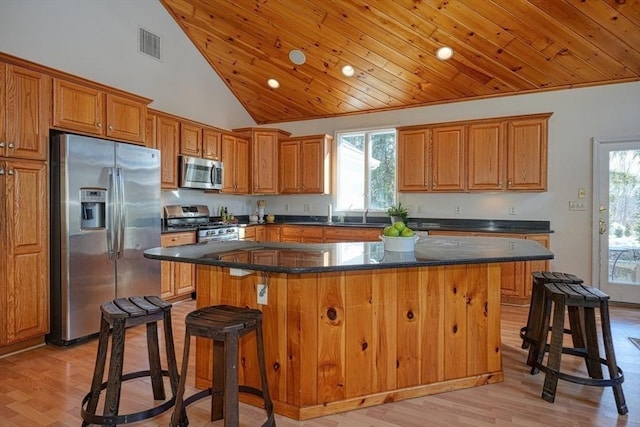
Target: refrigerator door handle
x,y
111,216
122,213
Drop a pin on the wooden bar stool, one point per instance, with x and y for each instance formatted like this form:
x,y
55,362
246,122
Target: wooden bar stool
x,y
563,295
224,325
120,314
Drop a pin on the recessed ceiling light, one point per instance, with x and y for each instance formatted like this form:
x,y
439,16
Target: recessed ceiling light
x,y
297,57
444,53
348,70
273,83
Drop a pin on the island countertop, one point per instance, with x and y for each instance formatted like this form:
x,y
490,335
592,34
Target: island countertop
x,y
326,257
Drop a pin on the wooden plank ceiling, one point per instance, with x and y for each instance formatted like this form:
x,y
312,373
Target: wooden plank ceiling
x,y
501,47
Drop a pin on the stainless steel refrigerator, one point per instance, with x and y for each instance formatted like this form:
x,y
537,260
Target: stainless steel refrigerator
x,y
105,212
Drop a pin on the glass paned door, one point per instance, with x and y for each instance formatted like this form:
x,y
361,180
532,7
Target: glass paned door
x,y
618,217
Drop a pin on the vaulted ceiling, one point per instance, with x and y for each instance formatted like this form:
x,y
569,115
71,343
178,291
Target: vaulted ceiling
x,y
501,47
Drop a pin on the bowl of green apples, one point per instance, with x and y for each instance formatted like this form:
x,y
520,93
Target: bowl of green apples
x,y
399,238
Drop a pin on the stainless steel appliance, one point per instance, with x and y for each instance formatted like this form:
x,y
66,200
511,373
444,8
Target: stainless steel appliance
x,y
105,212
189,216
200,173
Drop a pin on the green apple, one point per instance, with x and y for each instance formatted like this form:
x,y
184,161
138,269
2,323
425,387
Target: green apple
x,y
399,225
406,232
391,231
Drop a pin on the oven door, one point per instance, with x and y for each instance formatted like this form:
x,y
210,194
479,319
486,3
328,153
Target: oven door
x,y
200,173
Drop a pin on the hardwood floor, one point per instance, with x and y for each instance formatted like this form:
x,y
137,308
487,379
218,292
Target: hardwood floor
x,y
45,386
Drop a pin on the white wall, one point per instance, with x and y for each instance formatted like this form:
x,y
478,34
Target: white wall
x,y
97,40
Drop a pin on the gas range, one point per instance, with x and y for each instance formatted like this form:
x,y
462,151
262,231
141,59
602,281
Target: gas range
x,y
197,216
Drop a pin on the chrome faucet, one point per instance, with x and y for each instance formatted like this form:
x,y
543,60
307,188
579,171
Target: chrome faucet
x,y
364,216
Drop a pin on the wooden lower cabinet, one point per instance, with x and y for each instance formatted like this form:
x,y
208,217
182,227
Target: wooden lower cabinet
x,y
254,232
178,279
351,234
24,245
301,234
272,233
515,277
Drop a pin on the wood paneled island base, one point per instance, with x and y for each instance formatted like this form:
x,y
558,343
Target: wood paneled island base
x,y
343,340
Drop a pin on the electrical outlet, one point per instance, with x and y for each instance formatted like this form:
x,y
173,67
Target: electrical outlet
x,y
262,294
286,207
512,210
307,207
457,210
582,193
420,208
577,206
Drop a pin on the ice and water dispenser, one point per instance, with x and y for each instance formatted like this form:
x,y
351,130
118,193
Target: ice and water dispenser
x,y
92,207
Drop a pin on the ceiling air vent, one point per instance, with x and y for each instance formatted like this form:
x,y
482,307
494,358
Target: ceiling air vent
x,y
149,44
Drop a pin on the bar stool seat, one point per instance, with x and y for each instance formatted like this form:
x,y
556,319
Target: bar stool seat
x,y
562,295
224,325
120,314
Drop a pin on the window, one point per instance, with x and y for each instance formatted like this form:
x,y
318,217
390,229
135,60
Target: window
x,y
366,170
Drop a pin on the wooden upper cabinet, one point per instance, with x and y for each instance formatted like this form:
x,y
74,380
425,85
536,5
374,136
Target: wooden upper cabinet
x,y
448,167
150,131
235,159
211,144
304,164
413,160
263,165
486,156
167,137
190,139
25,97
94,111
527,153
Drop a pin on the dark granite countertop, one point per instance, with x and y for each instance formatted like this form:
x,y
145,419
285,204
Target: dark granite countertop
x,y
326,257
417,224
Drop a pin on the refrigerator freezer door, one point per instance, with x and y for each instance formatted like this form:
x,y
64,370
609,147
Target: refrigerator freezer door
x,y
140,223
89,277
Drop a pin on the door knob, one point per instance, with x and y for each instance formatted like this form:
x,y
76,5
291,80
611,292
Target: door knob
x,y
602,226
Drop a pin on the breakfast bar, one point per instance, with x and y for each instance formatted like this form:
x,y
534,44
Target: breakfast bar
x,y
350,325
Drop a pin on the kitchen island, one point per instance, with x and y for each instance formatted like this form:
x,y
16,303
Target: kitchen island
x,y
348,325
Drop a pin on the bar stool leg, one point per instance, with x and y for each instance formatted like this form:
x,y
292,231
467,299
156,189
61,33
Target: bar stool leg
x,y
611,357
178,410
268,404
592,358
535,312
218,386
231,410
155,370
174,377
555,352
98,373
112,401
536,351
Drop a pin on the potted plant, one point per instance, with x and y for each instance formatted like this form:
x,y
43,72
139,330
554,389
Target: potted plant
x,y
398,213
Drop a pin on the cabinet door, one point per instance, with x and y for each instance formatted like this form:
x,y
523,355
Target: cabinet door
x,y
25,96
77,107
211,144
290,166
229,159
25,293
150,131
486,156
412,160
448,158
190,140
261,233
126,119
264,162
185,278
167,138
167,284
527,154
272,233
313,160
242,166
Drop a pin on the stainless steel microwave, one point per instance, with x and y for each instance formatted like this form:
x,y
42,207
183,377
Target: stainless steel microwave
x,y
200,173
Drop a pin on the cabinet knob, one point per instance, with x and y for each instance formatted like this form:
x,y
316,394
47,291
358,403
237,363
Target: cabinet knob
x,y
110,127
499,183
99,124
434,184
1,144
10,172
509,183
11,145
1,171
